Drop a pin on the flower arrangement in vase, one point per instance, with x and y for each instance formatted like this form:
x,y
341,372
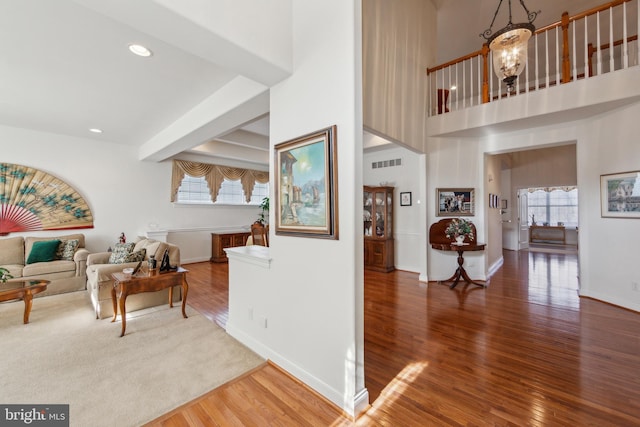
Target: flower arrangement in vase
x,y
459,228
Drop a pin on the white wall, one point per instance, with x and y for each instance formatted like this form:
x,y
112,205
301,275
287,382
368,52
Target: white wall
x,y
608,144
493,182
399,40
312,295
457,163
407,229
123,193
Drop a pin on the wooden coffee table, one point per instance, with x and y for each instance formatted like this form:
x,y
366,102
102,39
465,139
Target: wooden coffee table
x,y
22,289
125,285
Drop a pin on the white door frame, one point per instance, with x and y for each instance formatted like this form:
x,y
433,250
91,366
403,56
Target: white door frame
x,y
523,219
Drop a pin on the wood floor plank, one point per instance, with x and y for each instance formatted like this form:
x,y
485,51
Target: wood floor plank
x,y
526,350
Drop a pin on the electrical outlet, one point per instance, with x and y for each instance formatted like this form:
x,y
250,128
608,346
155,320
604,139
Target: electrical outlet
x,y
250,313
634,286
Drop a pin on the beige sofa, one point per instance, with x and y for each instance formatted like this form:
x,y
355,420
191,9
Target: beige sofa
x,y
64,275
100,282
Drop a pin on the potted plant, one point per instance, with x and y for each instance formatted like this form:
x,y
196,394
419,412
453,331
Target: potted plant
x,y
5,275
459,228
263,216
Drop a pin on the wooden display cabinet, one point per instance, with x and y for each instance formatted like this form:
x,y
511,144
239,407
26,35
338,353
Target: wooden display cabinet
x,y
220,241
378,229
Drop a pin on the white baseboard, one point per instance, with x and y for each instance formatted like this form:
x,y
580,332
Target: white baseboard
x,y
352,407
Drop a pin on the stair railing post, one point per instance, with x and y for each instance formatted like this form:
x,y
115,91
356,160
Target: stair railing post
x,y
485,73
566,62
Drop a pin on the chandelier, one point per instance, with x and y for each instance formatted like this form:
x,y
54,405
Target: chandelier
x,y
509,46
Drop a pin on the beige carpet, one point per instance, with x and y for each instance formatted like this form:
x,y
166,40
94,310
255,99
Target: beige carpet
x,y
66,356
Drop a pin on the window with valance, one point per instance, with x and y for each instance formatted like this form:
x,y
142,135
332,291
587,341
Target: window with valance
x,y
553,205
216,177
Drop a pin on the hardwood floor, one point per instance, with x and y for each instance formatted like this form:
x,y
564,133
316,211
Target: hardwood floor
x,y
524,351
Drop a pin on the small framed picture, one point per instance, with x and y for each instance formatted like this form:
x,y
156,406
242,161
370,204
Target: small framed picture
x,y
405,199
504,204
455,202
620,195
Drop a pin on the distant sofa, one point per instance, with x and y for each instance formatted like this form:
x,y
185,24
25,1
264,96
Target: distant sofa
x,y
60,259
100,282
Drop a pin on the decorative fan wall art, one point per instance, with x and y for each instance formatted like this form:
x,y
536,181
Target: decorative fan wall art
x,y
32,200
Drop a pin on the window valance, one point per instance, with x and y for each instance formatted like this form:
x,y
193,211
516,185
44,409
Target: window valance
x,y
215,175
550,189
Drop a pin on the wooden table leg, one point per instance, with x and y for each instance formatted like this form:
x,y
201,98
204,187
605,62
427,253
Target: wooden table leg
x,y
185,290
28,301
114,302
123,312
461,273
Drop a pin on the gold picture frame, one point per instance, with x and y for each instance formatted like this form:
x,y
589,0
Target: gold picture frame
x,y
306,185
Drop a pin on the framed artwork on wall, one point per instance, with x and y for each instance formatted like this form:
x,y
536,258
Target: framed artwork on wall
x,y
455,202
405,199
306,185
620,195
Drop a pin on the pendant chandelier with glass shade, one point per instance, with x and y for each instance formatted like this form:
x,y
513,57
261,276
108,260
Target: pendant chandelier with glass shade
x,y
509,46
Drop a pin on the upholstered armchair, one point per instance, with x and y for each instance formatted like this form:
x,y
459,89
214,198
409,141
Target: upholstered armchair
x,y
100,282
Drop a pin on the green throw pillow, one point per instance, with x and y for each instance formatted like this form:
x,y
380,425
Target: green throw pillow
x,y
43,251
120,253
66,249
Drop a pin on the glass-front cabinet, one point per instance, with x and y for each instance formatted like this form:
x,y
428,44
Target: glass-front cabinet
x,y
378,228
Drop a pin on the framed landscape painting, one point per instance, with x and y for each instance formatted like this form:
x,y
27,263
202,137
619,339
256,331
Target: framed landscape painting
x,y
455,202
306,185
620,195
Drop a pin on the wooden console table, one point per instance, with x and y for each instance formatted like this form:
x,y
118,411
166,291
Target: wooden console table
x,y
221,241
547,233
439,240
146,282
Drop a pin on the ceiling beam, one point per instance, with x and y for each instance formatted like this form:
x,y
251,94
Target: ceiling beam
x,y
240,101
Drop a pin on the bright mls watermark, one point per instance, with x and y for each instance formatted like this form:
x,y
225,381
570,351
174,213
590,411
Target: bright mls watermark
x,y
34,415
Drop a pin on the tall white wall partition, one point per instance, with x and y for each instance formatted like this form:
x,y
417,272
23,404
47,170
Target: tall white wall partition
x,y
304,308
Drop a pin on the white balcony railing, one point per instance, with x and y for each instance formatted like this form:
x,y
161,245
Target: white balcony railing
x,y
598,41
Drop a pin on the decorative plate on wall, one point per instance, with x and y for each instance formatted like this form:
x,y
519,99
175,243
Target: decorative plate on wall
x,y
32,200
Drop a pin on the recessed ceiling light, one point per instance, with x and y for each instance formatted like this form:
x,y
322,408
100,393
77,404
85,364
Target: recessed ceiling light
x,y
454,87
95,130
140,50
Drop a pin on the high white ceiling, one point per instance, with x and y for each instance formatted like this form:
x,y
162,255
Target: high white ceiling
x,y
65,68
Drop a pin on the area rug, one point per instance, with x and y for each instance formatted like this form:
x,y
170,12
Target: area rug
x,y
65,356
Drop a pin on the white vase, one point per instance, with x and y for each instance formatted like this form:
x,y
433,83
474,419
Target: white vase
x,y
459,240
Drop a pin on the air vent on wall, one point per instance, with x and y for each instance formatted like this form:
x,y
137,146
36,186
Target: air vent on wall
x,y
386,163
